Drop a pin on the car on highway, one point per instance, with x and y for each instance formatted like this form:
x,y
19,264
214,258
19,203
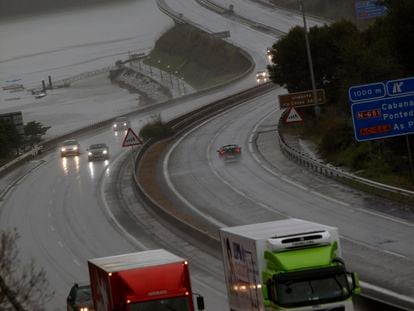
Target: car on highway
x,y
39,95
269,54
80,298
70,147
262,76
98,152
228,152
120,124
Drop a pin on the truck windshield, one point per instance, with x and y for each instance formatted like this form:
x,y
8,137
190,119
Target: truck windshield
x,y
312,287
172,304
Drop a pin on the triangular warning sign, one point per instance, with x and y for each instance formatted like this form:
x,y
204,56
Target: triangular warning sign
x,y
293,116
131,139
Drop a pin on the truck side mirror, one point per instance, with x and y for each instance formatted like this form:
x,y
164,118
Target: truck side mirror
x,y
355,283
200,302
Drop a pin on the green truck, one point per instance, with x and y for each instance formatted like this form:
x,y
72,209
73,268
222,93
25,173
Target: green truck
x,y
289,264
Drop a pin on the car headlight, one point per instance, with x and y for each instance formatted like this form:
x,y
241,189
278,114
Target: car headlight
x,y
105,151
83,309
125,124
89,153
75,148
63,149
114,125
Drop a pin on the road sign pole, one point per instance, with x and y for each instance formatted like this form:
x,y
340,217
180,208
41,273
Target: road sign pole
x,y
308,50
407,139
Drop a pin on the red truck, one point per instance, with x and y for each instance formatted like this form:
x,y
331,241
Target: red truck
x,y
147,280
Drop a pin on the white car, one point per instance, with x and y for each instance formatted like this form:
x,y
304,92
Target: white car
x,y
40,95
262,76
70,147
120,124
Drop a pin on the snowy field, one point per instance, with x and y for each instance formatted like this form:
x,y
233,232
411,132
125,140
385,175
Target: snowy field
x,y
67,43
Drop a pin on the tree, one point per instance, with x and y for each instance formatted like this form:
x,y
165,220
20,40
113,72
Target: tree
x,y
22,287
401,25
34,131
10,139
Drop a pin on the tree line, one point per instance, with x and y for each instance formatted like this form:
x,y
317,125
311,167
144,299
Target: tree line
x,y
13,143
344,56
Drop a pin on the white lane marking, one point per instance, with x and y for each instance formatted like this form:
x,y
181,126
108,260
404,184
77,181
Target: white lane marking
x,y
52,228
110,214
76,262
281,176
290,181
329,198
386,292
60,244
385,217
395,254
210,163
171,185
374,247
182,198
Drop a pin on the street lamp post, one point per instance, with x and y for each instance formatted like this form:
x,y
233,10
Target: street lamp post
x,y
159,65
182,79
308,50
169,72
150,67
177,80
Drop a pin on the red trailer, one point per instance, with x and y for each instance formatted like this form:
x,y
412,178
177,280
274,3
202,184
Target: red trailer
x,y
148,280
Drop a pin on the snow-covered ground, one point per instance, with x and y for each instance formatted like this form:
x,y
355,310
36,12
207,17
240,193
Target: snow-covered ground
x,y
67,43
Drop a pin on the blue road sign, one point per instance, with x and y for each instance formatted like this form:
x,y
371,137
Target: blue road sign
x,y
400,87
366,92
370,9
383,118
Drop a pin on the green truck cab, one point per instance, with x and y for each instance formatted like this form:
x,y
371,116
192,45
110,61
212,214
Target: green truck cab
x,y
287,264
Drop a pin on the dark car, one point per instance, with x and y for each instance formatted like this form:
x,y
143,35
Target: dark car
x,y
229,151
80,298
98,152
70,147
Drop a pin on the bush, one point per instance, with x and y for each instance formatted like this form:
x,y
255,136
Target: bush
x,y
155,130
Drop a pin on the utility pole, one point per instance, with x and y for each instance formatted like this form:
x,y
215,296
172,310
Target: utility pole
x,y
308,50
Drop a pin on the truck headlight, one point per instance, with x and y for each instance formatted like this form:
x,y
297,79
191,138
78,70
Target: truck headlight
x,y
63,149
114,125
75,148
105,151
89,153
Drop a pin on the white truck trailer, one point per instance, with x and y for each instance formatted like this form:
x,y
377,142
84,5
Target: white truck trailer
x,y
289,264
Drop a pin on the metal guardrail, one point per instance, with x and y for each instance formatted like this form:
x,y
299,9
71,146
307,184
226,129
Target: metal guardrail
x,y
310,163
213,6
177,17
84,75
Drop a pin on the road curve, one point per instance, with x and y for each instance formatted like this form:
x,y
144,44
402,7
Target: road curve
x,y
245,192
